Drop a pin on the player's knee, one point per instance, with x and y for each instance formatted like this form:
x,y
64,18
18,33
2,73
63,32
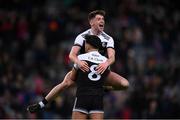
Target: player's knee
x,y
122,84
125,84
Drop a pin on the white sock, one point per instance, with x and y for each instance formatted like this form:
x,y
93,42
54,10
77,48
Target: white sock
x,y
41,104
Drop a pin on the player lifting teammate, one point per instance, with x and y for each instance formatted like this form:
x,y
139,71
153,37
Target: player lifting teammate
x,y
97,22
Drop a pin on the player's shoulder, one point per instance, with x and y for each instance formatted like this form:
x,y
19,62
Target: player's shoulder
x,y
106,36
94,57
84,33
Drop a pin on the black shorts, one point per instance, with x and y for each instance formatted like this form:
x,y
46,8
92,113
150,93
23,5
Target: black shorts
x,y
89,104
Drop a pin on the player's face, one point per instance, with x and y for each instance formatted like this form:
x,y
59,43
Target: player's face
x,y
98,23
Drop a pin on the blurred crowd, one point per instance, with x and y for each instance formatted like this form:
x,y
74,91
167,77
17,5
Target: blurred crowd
x,y
36,37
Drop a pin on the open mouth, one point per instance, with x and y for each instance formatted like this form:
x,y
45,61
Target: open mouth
x,y
101,25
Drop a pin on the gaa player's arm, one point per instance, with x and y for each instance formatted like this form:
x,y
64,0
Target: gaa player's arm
x,y
74,53
111,56
73,57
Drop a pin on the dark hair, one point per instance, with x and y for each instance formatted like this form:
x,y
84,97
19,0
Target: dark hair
x,y
96,12
94,41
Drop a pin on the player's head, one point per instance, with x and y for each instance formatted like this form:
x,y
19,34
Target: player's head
x,y
92,42
96,20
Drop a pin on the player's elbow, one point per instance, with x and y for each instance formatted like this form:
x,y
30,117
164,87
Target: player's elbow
x,y
112,59
70,56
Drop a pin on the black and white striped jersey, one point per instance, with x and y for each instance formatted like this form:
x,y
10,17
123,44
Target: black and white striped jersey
x,y
90,83
107,41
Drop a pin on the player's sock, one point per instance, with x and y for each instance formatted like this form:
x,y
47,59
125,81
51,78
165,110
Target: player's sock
x,y
43,103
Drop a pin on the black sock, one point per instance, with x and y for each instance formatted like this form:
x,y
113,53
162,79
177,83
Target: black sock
x,y
44,101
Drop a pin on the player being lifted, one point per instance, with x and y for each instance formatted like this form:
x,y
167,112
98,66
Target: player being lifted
x,y
97,23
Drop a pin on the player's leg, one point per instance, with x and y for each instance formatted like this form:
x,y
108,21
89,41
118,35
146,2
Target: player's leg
x,y
79,115
97,107
116,81
97,116
80,108
67,82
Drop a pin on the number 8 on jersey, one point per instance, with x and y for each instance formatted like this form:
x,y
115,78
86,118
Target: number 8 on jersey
x,y
93,75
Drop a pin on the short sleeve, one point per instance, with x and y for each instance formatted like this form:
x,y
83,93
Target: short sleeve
x,y
110,43
79,41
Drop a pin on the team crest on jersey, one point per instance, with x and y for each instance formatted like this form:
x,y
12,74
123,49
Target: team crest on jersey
x,y
104,44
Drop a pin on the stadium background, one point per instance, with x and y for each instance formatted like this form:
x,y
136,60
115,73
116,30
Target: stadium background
x,y
36,37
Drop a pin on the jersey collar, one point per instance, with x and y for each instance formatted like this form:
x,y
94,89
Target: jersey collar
x,y
96,52
93,34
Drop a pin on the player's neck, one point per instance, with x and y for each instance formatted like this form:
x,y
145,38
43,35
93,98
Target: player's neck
x,y
91,50
95,32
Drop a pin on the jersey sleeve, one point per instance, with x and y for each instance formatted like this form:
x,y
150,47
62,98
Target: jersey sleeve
x,y
110,43
79,41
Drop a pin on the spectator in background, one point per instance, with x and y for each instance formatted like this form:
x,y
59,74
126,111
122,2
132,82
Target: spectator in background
x,y
157,20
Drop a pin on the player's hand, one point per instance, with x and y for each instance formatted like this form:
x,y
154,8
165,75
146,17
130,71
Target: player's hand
x,y
102,67
83,65
34,108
